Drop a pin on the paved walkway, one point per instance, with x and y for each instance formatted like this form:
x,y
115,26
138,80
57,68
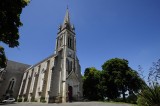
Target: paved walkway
x,y
67,104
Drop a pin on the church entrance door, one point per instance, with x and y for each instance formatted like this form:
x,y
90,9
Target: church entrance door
x,y
70,91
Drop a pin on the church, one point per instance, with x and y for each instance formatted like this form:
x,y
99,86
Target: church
x,y
57,78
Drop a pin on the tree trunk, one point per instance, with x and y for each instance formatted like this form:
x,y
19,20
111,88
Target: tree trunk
x,y
123,93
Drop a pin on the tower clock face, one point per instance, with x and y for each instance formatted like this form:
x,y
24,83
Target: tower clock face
x,y
69,54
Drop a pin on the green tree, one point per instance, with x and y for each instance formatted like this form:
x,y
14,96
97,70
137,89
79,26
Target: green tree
x,y
109,88
121,77
10,11
91,84
2,58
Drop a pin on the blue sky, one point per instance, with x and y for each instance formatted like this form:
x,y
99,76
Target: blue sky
x,y
105,29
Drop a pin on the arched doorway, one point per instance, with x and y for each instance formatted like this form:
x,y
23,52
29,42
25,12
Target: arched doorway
x,y
70,92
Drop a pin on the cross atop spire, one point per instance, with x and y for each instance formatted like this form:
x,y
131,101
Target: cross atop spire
x,y
67,6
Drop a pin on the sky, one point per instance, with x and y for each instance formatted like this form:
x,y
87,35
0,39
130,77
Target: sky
x,y
105,29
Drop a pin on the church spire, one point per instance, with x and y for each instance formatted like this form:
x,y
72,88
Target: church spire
x,y
66,23
66,18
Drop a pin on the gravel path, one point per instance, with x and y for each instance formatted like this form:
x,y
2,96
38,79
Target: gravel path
x,y
67,104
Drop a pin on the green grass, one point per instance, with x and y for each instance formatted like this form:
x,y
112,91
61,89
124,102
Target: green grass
x,y
120,103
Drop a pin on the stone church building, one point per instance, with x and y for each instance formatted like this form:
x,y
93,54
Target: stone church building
x,y
58,77
10,79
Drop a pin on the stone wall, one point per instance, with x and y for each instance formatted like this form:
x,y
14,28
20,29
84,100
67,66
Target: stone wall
x,y
14,72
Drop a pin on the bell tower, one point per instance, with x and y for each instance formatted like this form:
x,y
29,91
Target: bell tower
x,y
66,49
66,35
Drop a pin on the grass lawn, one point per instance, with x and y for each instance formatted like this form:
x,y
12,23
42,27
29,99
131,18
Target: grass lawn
x,y
121,103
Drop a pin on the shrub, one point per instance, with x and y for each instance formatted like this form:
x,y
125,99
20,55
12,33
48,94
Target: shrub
x,y
132,98
33,99
52,99
25,99
42,99
118,100
150,96
141,101
19,100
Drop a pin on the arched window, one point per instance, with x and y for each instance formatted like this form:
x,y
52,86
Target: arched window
x,y
70,66
67,65
11,84
43,71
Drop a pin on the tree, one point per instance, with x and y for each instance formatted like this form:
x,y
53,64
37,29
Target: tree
x,y
109,89
121,77
91,84
2,58
10,11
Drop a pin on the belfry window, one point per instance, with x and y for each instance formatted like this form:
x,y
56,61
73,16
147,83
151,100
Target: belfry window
x,y
69,42
61,41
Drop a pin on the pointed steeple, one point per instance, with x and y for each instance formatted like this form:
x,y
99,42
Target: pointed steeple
x,y
66,23
66,18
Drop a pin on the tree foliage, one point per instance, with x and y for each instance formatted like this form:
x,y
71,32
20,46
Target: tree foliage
x,y
115,79
120,77
91,84
109,89
2,58
10,11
